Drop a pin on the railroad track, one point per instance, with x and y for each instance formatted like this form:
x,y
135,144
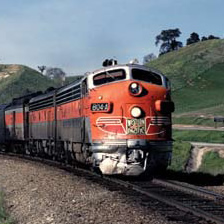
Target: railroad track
x,y
180,202
196,202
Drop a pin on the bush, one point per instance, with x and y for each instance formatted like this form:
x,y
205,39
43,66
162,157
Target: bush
x,y
181,155
212,164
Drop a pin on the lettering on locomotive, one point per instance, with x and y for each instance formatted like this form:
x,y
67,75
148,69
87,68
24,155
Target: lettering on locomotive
x,y
100,107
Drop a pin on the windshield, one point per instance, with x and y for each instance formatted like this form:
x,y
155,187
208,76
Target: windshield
x,y
108,76
146,76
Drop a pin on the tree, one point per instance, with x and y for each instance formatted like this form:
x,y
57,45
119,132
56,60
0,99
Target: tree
x,y
211,37
194,38
57,74
42,68
204,38
168,39
149,57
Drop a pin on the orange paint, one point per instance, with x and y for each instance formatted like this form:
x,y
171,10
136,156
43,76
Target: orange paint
x,y
18,118
118,123
65,111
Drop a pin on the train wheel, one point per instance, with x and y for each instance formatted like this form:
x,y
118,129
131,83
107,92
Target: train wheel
x,y
40,148
68,154
60,151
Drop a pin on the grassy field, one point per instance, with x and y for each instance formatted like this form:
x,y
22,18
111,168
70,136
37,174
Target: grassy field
x,y
199,136
185,65
196,73
190,120
181,154
205,92
4,218
212,164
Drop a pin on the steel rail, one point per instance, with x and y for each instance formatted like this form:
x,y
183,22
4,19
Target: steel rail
x,y
190,188
197,212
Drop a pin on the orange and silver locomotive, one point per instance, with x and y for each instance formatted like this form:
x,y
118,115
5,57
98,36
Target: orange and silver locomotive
x,y
116,119
130,119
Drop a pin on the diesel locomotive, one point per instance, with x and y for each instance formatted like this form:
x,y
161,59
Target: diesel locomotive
x,y
116,119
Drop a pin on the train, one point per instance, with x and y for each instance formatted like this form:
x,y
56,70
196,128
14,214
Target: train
x,y
116,120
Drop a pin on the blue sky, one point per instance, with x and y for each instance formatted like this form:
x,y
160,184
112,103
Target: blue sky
x,y
77,35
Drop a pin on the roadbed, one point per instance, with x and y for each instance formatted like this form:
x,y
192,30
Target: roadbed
x,y
41,194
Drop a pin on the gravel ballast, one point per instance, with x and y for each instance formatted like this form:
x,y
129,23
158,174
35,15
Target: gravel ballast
x,y
41,194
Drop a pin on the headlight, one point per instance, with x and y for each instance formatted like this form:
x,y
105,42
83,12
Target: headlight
x,y
136,112
135,89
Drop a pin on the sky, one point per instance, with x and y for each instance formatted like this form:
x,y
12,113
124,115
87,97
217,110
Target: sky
x,y
77,35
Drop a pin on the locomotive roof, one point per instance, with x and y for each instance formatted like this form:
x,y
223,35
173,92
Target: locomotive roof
x,y
124,66
57,90
20,101
42,96
77,82
68,86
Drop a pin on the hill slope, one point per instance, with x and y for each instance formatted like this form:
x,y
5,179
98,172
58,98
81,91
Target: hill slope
x,y
17,80
197,75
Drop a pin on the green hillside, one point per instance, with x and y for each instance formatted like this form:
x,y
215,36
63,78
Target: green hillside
x,y
197,75
17,80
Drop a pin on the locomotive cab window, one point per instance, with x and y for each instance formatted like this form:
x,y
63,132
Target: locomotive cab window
x,y
146,76
108,76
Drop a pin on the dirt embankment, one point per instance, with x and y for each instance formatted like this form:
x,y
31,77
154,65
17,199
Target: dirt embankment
x,y
197,154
